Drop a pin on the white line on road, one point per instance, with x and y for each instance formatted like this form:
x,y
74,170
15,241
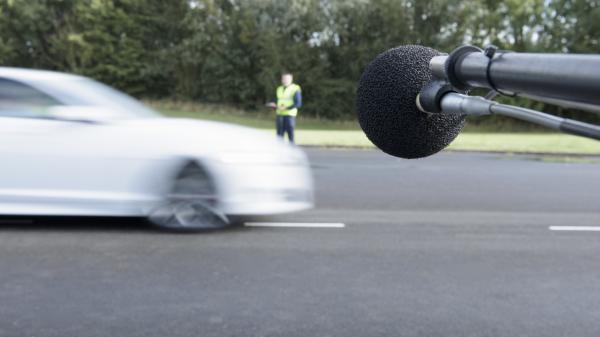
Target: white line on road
x,y
296,224
576,228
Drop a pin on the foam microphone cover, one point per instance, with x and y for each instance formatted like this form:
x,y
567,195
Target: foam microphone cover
x,y
387,110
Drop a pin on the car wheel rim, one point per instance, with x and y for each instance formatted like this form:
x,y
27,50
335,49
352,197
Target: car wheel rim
x,y
191,203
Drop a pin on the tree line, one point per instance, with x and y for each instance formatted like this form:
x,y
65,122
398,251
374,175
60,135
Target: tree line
x,y
232,51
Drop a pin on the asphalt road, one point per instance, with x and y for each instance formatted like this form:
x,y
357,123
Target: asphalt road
x,y
452,245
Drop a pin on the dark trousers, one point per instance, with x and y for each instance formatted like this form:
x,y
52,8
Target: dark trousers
x,y
286,124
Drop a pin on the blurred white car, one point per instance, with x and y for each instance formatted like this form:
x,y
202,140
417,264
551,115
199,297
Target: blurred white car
x,y
71,146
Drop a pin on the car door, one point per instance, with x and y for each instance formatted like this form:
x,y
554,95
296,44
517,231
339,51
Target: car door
x,y
51,166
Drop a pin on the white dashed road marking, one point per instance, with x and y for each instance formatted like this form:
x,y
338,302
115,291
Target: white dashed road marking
x,y
576,228
296,224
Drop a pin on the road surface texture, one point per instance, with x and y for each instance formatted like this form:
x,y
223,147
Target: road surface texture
x,y
457,244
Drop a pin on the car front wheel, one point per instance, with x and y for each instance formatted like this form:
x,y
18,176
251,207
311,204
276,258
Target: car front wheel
x,y
191,203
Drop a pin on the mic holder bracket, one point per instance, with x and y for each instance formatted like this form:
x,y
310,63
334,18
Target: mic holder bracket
x,y
429,99
455,57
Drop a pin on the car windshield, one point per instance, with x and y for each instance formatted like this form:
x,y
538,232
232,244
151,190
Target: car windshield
x,y
79,91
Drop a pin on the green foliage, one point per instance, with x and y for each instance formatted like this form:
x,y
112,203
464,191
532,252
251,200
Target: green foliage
x,y
230,51
118,42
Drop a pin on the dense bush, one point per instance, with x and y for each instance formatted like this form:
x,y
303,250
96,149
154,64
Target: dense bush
x,y
232,51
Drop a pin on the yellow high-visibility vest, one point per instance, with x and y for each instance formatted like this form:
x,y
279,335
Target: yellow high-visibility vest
x,y
285,98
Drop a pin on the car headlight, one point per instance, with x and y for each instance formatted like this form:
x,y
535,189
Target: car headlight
x,y
261,158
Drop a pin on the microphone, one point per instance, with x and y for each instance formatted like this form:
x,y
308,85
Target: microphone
x,y
387,109
411,103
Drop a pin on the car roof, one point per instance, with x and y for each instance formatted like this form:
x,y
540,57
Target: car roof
x,y
24,74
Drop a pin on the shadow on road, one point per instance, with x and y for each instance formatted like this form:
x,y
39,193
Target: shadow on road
x,y
93,224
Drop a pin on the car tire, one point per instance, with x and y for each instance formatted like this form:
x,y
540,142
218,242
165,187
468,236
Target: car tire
x,y
191,204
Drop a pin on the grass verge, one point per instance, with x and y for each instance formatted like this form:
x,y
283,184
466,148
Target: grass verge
x,y
316,132
467,141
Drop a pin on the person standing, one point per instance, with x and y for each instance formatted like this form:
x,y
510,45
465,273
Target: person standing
x,y
289,99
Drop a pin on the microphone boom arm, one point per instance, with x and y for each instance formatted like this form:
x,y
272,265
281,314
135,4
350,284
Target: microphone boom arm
x,y
567,77
455,103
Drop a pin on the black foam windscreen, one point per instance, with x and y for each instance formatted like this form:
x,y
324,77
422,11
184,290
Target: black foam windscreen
x,y
387,110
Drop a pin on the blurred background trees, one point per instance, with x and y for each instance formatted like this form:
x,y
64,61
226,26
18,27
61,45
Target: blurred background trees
x,y
232,51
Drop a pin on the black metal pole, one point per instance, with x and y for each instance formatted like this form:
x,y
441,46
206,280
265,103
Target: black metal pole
x,y
571,77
